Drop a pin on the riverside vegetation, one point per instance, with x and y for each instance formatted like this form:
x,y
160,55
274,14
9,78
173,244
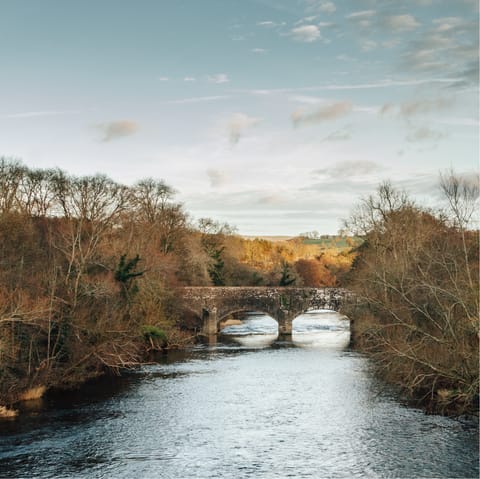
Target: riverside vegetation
x,y
416,278
89,270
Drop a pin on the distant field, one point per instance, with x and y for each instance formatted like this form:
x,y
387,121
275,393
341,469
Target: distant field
x,y
325,241
269,238
334,241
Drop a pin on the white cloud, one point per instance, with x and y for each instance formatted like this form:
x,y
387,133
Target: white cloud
x,y
348,169
217,178
306,33
387,109
266,23
460,121
238,124
328,112
390,43
198,99
368,45
401,23
189,79
323,6
362,14
411,108
387,83
446,24
40,114
218,78
450,46
163,78
259,50
343,134
309,100
270,24
118,129
424,134
327,7
363,18
309,19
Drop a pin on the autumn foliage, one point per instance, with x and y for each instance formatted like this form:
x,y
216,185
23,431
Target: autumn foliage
x,y
416,278
89,270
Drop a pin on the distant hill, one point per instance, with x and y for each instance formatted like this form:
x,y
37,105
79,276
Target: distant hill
x,y
334,241
269,238
325,241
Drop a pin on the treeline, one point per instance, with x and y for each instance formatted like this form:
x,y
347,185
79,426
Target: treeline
x,y
89,268
416,278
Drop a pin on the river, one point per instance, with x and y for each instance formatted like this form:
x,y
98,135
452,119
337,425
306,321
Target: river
x,y
247,407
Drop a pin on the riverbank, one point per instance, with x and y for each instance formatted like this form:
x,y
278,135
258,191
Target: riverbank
x,y
411,376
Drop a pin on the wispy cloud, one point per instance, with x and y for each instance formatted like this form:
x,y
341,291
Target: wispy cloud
x,y
325,113
266,23
189,79
409,109
348,169
418,107
218,178
238,124
270,24
163,78
118,129
39,114
459,121
368,45
424,134
446,24
387,109
362,19
327,7
198,99
388,83
308,100
305,33
343,134
449,46
259,50
321,6
218,78
400,23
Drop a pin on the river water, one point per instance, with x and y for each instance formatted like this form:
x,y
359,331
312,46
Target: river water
x,y
247,407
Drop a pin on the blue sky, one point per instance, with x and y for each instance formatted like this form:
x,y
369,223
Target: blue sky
x,y
273,115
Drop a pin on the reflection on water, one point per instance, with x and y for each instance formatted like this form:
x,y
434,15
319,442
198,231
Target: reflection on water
x,y
315,329
321,329
254,340
241,411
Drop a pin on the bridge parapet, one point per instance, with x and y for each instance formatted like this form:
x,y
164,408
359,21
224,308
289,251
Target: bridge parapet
x,y
212,304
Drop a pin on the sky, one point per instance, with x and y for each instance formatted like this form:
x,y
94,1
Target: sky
x,y
275,116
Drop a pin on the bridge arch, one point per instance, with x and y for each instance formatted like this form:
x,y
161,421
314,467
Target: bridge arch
x,y
212,304
244,310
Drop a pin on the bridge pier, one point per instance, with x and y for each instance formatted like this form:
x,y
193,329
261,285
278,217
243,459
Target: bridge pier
x,y
209,321
285,326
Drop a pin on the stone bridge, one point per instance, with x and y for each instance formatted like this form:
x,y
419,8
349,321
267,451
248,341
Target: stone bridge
x,y
213,304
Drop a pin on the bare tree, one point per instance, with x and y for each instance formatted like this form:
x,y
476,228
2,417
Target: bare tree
x,y
91,206
36,193
12,173
150,199
417,277
374,210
